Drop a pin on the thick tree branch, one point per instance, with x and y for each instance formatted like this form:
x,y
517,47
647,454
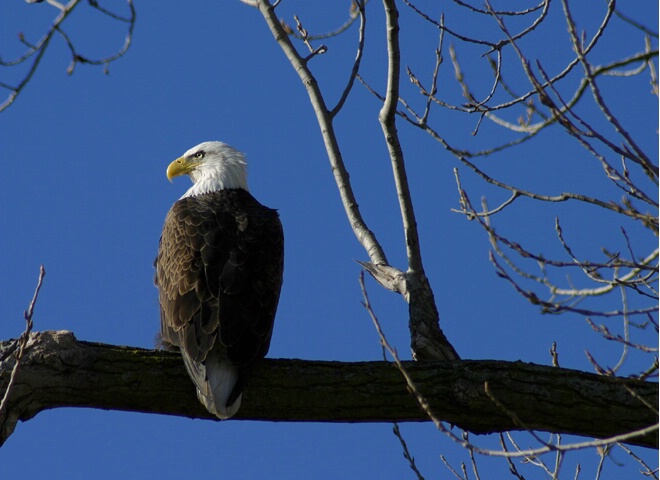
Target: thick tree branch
x,y
59,371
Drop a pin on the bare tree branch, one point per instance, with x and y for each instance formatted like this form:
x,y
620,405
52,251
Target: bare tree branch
x,y
22,341
59,371
519,422
427,340
359,6
36,51
365,236
387,120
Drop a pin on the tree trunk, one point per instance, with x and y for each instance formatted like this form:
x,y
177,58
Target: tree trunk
x,y
59,371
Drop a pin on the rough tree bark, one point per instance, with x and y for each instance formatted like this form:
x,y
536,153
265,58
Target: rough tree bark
x,y
59,371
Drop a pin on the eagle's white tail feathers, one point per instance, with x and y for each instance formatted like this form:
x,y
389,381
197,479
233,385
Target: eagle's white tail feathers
x,y
221,379
215,379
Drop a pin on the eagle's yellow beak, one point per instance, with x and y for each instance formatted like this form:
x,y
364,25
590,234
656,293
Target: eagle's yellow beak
x,y
180,166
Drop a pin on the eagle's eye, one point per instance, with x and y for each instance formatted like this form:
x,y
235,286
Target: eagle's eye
x,y
199,155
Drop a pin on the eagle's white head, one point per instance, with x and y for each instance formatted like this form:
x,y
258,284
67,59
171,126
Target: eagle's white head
x,y
211,166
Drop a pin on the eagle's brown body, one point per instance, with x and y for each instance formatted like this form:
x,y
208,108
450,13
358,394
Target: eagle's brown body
x,y
219,273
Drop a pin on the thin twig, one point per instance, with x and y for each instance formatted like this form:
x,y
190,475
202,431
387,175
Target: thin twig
x,y
648,472
37,51
406,452
23,339
358,58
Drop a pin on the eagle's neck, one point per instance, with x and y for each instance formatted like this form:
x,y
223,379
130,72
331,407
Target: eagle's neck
x,y
228,174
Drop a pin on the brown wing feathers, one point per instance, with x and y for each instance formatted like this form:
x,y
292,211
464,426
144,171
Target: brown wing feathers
x,y
219,271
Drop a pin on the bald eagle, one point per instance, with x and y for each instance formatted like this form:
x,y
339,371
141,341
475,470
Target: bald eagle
x,y
219,273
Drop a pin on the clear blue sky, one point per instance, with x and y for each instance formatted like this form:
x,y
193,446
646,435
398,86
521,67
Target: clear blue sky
x,y
83,192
